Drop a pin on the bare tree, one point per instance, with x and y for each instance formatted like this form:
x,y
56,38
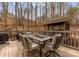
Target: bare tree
x,y
36,14
5,12
31,6
46,11
40,14
16,13
60,4
21,15
52,10
28,13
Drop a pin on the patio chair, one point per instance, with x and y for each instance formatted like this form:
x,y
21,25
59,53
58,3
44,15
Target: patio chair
x,y
53,46
18,36
28,44
3,38
28,33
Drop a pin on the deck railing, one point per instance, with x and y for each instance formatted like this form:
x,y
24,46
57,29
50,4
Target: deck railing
x,y
68,39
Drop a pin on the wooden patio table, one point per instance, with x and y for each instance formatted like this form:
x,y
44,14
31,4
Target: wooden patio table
x,y
41,40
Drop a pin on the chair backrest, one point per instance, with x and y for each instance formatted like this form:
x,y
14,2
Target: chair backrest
x,y
56,41
18,36
28,42
28,33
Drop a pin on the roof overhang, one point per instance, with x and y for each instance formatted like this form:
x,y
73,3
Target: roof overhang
x,y
56,21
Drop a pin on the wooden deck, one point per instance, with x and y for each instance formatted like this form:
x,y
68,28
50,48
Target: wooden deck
x,y
16,49
68,52
12,49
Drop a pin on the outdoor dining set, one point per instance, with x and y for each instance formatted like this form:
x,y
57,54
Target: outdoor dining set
x,y
39,41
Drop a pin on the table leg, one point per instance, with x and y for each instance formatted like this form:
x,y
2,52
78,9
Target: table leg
x,y
41,47
40,50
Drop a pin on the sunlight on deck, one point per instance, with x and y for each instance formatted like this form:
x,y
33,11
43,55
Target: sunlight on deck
x,y
68,52
12,49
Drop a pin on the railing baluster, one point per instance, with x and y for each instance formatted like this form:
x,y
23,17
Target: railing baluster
x,y
71,38
78,40
72,41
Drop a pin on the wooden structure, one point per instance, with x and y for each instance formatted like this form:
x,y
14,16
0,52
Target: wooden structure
x,y
57,25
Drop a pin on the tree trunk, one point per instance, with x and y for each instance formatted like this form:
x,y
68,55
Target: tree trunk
x,y
60,4
35,15
46,11
28,15
31,6
5,12
16,13
52,10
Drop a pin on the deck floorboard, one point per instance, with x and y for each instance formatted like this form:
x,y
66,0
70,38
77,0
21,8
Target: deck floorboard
x,y
12,49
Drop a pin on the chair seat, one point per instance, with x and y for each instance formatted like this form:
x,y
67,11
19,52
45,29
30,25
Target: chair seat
x,y
33,46
49,43
49,46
